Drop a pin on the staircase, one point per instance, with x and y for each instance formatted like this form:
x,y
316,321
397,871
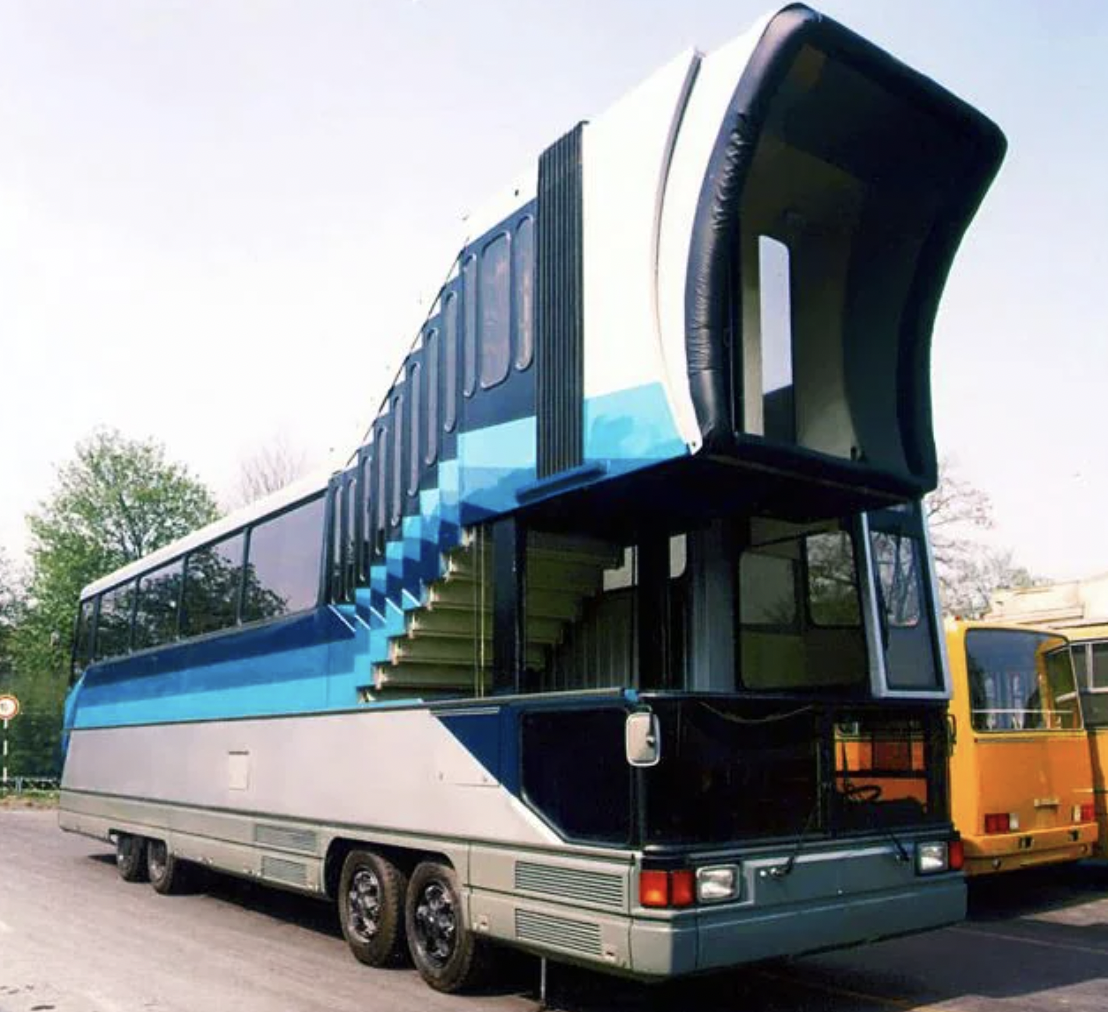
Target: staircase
x,y
433,638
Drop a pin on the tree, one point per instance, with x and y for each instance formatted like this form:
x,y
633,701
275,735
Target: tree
x,y
9,610
273,467
969,570
116,501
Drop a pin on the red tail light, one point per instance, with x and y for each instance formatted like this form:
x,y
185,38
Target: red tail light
x,y
997,822
1088,812
956,855
667,888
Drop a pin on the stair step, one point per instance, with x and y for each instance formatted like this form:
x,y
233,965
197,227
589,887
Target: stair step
x,y
423,676
451,652
444,623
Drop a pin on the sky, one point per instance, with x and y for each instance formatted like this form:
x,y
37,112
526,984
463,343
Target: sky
x,y
221,223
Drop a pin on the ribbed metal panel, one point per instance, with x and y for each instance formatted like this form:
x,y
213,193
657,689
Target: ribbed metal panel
x,y
558,932
282,870
284,838
571,883
559,337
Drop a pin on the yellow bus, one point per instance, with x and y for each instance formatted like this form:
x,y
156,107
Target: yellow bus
x,y
1020,771
1089,645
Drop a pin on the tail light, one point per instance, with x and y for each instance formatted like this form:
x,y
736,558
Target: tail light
x,y
1002,822
667,888
1088,812
957,855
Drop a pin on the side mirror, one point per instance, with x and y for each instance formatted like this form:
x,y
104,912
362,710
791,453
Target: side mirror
x,y
643,738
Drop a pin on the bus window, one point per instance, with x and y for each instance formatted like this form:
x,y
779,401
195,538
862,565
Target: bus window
x,y
776,315
469,336
1009,680
1064,710
213,580
82,641
897,565
159,594
523,283
832,584
283,566
113,627
450,362
769,597
397,456
494,303
415,388
1098,674
431,354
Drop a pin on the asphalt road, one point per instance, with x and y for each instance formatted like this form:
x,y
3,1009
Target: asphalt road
x,y
75,938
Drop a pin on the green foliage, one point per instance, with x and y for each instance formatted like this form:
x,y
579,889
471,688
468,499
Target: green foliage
x,y
116,501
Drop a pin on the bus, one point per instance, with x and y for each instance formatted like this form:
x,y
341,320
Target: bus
x,y
560,660
1019,767
1089,644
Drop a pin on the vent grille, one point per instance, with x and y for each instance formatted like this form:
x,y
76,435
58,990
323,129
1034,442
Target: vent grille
x,y
559,336
283,870
558,932
586,886
286,839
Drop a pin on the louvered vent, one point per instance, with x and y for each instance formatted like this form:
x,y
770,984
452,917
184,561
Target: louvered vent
x,y
558,932
280,869
572,884
559,338
283,838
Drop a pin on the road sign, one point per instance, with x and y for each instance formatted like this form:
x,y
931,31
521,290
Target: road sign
x,y
9,707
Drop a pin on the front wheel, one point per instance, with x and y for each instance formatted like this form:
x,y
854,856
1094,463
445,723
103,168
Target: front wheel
x,y
445,951
130,857
371,908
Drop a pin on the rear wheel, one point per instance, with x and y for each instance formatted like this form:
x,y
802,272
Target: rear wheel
x,y
371,908
446,952
167,874
130,857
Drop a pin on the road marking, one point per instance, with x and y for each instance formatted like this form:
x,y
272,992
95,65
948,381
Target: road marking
x,y
1031,941
6,929
846,992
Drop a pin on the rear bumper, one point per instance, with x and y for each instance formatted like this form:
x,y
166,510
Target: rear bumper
x,y
727,937
986,855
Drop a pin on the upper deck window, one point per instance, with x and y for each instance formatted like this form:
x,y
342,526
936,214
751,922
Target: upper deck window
x,y
1020,681
1098,674
397,456
832,580
523,283
494,303
283,568
156,614
469,348
415,388
775,318
431,378
450,362
113,627
213,581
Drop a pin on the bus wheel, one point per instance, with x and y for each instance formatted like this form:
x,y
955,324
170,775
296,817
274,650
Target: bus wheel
x,y
166,873
447,954
130,857
371,908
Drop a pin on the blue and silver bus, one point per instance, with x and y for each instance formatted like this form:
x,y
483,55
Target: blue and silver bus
x,y
617,641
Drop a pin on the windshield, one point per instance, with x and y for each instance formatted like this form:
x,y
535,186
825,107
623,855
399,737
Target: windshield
x,y
1020,681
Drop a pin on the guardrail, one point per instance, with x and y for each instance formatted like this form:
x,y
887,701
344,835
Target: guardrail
x,y
27,785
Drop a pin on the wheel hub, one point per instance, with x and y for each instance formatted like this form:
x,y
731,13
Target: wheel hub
x,y
364,898
436,923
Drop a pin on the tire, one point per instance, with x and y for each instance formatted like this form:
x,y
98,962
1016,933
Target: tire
x,y
167,874
130,857
371,908
447,954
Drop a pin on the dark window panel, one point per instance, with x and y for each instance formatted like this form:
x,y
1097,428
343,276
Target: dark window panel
x,y
450,362
158,601
282,575
415,388
113,628
469,351
397,455
213,580
523,282
431,377
494,306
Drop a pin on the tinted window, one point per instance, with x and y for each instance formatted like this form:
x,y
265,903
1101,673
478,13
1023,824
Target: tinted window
x,y
897,564
381,449
415,391
431,376
450,363
523,279
82,639
283,571
767,590
213,578
832,587
367,506
156,615
495,309
113,627
469,349
1099,679
336,547
584,792
351,524
1013,678
397,454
